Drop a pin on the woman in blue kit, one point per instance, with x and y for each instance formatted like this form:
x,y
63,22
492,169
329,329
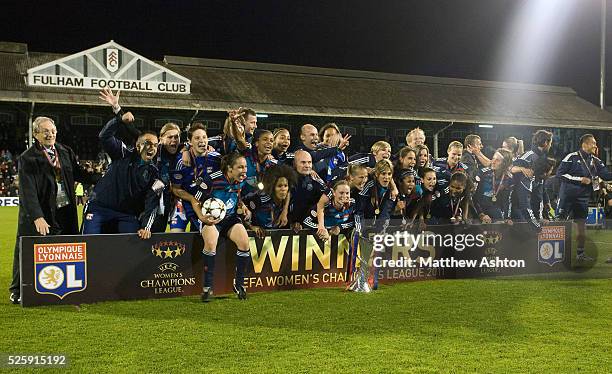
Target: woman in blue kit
x,y
452,202
374,202
409,195
407,160
334,214
357,176
237,131
423,157
333,167
267,205
185,179
492,197
224,185
430,192
259,159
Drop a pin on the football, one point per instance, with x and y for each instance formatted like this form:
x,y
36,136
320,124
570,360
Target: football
x,y
214,208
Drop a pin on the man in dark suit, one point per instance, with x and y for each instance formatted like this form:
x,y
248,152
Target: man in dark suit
x,y
47,202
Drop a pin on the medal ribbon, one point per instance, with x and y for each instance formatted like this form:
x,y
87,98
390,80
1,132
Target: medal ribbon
x,y
197,172
496,191
453,208
55,164
377,200
585,165
429,198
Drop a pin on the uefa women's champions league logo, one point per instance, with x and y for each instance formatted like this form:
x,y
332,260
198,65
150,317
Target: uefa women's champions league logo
x,y
170,277
168,249
491,237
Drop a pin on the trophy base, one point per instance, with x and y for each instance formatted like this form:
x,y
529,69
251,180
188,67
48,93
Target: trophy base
x,y
359,284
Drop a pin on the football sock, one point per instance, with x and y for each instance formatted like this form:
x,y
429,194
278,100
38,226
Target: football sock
x,y
209,269
242,259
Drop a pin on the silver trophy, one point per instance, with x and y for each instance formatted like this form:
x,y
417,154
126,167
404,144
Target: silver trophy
x,y
362,277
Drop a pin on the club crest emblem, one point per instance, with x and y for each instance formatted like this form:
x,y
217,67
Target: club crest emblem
x,y
112,59
551,245
60,268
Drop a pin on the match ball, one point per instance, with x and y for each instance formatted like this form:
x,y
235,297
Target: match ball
x,y
214,207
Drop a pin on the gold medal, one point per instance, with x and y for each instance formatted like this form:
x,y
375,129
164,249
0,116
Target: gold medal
x,y
377,211
499,186
240,211
428,216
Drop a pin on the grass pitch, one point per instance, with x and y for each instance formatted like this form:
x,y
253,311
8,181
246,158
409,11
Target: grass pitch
x,y
521,324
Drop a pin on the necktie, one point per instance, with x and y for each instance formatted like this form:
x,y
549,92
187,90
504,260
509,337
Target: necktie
x,y
51,153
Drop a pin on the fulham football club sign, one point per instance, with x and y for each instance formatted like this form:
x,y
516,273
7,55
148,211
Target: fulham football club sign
x,y
108,65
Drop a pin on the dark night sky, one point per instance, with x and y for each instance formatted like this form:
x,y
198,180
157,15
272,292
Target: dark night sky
x,y
448,38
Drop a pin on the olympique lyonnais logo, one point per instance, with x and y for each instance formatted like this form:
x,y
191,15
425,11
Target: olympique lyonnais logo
x,y
60,268
551,245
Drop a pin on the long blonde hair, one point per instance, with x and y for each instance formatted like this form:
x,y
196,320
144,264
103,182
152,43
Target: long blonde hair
x,y
380,167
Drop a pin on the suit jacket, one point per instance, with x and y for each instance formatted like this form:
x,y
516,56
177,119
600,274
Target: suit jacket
x,y
38,190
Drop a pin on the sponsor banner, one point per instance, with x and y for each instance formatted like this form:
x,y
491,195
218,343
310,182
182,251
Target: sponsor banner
x,y
285,261
474,251
83,269
111,267
9,201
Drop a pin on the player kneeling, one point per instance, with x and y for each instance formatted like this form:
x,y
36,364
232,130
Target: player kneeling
x,y
224,185
333,215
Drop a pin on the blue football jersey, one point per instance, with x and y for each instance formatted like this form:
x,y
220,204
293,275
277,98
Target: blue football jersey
x,y
187,176
216,185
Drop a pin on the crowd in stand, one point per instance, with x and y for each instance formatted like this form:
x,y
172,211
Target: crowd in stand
x,y
9,182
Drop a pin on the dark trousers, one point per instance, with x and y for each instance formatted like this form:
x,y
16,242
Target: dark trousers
x,y
573,206
97,218
522,208
161,223
537,199
161,220
15,283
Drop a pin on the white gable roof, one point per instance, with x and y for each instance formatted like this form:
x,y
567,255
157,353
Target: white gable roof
x,y
108,65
